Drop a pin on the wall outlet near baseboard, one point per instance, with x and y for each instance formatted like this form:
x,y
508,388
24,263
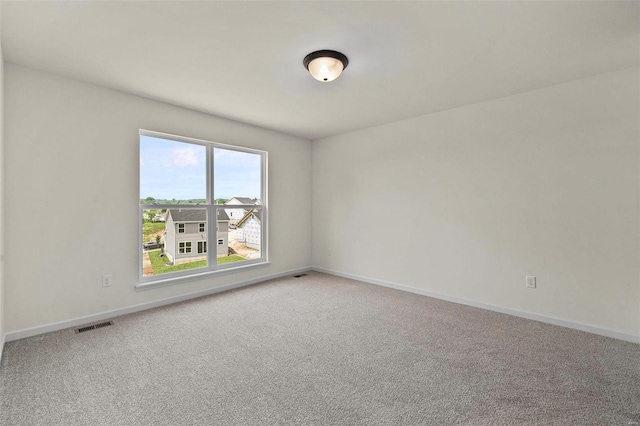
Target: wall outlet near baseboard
x,y
106,281
531,281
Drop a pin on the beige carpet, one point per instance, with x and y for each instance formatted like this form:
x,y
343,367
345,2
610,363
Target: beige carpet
x,y
320,350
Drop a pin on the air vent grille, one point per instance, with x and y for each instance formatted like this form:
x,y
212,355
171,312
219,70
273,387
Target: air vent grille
x,y
93,327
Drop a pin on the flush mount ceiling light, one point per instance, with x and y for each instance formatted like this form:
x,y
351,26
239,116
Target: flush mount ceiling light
x,y
325,65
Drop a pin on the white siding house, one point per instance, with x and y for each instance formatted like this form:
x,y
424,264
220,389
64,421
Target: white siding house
x,y
236,214
249,229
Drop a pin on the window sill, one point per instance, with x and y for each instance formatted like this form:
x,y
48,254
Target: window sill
x,y
198,276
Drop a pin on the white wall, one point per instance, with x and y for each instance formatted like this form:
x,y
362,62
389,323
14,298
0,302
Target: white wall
x,y
543,183
71,196
2,325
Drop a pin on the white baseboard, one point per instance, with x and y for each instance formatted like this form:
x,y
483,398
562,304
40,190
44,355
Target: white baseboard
x,y
101,316
2,340
522,314
74,322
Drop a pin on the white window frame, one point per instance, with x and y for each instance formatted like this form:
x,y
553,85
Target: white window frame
x,y
202,247
212,267
181,228
201,227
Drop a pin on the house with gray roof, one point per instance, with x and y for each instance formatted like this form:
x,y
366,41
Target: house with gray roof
x,y
186,234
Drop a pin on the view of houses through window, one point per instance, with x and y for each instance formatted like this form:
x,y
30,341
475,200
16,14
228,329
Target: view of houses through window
x,y
183,185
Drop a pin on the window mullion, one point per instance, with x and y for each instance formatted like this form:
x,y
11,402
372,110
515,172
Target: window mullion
x,y
212,212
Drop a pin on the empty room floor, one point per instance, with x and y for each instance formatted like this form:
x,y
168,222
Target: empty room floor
x,y
320,350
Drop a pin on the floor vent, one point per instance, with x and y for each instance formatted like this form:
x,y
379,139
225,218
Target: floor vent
x,y
93,327
300,275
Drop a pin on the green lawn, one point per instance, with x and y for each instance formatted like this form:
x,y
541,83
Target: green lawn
x,y
230,259
159,264
149,228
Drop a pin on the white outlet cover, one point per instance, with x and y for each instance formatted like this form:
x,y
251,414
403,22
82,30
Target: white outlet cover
x,y
106,281
530,281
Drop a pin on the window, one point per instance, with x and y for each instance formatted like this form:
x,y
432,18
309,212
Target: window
x,y
187,183
185,247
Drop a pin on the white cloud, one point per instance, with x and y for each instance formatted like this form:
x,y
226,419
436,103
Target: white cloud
x,y
182,157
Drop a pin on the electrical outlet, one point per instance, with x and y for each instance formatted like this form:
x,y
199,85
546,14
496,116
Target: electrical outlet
x,y
531,281
106,281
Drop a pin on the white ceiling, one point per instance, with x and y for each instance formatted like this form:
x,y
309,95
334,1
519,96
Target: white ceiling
x,y
243,60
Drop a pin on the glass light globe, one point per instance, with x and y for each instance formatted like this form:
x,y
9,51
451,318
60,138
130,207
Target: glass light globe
x,y
325,69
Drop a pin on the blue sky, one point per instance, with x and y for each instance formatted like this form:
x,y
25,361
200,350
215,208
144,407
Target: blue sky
x,y
170,169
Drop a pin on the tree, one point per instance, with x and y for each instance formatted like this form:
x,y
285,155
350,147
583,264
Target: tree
x,y
158,239
149,200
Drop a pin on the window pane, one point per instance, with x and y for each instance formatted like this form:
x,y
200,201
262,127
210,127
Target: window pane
x,y
237,176
243,236
172,172
167,250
